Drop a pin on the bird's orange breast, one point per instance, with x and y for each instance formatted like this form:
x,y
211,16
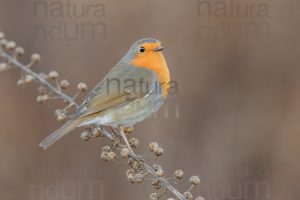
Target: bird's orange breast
x,y
156,62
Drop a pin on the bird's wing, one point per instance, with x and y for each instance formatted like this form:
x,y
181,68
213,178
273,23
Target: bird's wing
x,y
121,86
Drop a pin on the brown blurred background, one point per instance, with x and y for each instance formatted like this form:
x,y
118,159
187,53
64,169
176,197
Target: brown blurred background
x,y
238,95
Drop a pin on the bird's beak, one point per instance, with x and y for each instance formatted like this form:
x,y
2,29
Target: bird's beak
x,y
159,48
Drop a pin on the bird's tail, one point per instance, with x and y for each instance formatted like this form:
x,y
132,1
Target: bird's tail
x,y
53,137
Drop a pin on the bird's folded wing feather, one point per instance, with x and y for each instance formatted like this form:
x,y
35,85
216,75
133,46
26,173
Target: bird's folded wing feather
x,y
100,99
104,103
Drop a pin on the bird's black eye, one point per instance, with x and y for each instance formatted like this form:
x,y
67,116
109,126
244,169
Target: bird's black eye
x,y
142,49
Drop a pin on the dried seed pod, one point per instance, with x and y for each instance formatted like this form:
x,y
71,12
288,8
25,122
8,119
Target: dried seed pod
x,y
178,174
19,51
195,180
154,196
138,178
28,78
156,167
130,174
88,128
129,171
128,129
2,35
85,136
156,184
106,148
39,98
82,87
42,98
104,156
134,164
3,42
153,146
57,112
20,82
134,142
53,75
35,58
42,90
160,173
45,97
124,152
130,160
61,117
64,84
112,156
159,151
10,45
157,187
96,132
188,195
3,67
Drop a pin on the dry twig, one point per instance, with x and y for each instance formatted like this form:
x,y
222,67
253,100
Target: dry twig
x,y
120,147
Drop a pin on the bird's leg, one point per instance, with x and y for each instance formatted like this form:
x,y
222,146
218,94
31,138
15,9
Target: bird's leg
x,y
105,132
121,130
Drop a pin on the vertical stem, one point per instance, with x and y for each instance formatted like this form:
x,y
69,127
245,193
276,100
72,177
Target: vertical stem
x,y
125,140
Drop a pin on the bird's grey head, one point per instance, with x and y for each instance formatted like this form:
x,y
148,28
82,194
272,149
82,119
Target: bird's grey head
x,y
143,46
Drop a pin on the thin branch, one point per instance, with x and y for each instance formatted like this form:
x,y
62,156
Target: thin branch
x,y
13,61
27,70
148,168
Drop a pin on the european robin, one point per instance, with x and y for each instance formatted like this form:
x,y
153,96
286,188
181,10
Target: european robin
x,y
134,88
